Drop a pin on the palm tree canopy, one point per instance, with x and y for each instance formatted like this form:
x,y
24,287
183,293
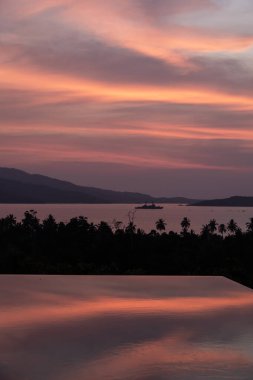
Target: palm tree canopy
x,y
212,225
249,225
160,224
222,228
185,224
205,230
232,226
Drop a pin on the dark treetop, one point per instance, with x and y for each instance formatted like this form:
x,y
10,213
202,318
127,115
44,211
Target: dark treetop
x,y
80,247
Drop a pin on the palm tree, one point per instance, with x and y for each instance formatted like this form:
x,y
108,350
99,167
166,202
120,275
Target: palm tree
x,y
222,229
232,226
249,225
160,225
238,231
212,226
185,224
205,231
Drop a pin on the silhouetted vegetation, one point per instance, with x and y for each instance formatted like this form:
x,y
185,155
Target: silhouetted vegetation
x,y
81,247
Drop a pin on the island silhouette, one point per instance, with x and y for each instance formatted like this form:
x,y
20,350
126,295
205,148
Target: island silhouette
x,y
18,186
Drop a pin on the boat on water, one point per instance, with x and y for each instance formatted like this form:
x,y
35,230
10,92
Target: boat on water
x,y
151,206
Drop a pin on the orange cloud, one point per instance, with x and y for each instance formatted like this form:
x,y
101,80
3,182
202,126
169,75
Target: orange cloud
x,y
107,92
171,64
42,152
169,42
154,130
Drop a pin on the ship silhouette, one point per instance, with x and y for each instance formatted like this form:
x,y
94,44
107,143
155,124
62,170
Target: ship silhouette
x,y
150,206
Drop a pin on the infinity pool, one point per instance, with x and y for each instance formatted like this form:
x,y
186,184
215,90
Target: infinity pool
x,y
119,327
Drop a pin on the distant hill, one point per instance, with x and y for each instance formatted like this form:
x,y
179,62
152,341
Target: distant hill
x,y
236,201
17,186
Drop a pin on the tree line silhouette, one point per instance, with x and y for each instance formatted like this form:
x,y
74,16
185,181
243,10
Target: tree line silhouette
x,y
82,247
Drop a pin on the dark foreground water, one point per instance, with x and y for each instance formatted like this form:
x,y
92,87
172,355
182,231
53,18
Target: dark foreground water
x,y
115,328
145,219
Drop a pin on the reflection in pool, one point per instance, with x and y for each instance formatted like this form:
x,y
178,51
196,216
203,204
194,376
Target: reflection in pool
x,y
119,327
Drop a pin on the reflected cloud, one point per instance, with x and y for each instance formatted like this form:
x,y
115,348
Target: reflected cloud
x,y
149,327
110,302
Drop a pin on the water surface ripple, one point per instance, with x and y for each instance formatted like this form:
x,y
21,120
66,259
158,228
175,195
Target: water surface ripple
x,y
120,328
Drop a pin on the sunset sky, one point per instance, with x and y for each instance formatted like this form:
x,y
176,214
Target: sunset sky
x,y
153,96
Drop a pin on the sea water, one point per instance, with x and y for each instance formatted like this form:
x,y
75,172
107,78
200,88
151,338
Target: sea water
x,y
144,219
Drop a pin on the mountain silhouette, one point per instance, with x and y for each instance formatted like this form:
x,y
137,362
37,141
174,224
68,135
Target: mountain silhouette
x,y
17,186
235,201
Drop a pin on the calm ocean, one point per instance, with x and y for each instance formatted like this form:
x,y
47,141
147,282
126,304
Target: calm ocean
x,y
144,219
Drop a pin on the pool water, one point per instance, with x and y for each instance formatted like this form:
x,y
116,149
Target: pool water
x,y
120,327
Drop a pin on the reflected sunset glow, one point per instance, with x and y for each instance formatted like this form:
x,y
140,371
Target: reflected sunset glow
x,y
106,326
